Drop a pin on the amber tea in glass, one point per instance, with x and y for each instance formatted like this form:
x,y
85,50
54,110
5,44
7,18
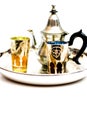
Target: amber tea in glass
x,y
19,53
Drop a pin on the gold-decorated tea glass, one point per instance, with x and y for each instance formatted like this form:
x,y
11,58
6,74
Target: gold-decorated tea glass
x,y
19,53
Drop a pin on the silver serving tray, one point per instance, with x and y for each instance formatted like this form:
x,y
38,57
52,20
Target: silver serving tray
x,y
35,74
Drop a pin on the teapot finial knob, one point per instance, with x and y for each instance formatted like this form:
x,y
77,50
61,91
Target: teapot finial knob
x,y
53,11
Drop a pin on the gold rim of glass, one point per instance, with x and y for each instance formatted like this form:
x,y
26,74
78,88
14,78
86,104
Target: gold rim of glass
x,y
20,38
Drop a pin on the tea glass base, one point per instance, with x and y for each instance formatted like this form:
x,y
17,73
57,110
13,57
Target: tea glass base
x,y
19,69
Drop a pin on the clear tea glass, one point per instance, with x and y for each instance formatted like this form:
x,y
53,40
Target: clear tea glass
x,y
19,53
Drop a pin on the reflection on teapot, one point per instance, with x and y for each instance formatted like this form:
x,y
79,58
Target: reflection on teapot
x,y
54,50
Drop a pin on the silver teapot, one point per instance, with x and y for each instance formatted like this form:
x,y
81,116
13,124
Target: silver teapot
x,y
54,51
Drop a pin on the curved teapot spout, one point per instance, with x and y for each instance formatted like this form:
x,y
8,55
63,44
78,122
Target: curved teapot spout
x,y
34,43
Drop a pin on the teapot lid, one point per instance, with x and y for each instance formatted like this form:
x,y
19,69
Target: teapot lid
x,y
53,25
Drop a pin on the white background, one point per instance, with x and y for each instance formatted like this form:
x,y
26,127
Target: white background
x,y
17,16
38,108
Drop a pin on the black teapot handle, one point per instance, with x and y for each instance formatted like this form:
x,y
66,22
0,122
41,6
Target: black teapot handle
x,y
84,38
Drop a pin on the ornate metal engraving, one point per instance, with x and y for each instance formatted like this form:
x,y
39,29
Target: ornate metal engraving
x,y
56,51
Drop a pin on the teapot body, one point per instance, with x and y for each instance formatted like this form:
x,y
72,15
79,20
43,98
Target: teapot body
x,y
54,52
